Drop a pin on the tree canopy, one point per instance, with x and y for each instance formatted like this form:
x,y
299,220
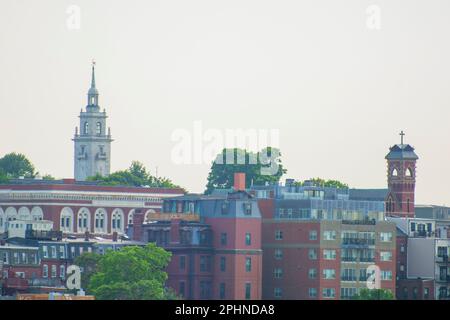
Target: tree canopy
x,y
15,165
324,183
259,168
133,273
374,294
136,175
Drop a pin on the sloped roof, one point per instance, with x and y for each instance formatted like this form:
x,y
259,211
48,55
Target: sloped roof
x,y
368,194
401,152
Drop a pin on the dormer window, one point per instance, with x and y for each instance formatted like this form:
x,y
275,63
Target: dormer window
x,y
409,172
225,206
394,172
247,208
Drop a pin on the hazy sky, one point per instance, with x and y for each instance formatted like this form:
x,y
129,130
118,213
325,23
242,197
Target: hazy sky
x,y
338,91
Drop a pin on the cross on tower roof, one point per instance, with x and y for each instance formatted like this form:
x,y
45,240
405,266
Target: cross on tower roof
x,y
401,135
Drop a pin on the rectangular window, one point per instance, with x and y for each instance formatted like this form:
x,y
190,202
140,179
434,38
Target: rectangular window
x,y
53,271
45,251
248,264
205,263
222,290
385,236
312,292
277,293
278,273
62,271
182,288
45,271
312,254
328,293
54,252
386,256
312,273
62,252
223,239
223,264
182,262
278,235
248,239
386,275
313,235
16,258
278,254
329,274
329,254
348,275
247,208
329,235
248,290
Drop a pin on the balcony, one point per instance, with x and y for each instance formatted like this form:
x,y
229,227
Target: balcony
x,y
444,278
346,278
360,222
442,258
358,242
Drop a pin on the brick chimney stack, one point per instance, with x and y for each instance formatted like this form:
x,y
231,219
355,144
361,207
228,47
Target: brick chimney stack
x,y
239,181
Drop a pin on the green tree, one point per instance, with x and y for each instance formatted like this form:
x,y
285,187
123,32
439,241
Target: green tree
x,y
374,294
15,165
88,261
324,183
133,273
136,175
259,168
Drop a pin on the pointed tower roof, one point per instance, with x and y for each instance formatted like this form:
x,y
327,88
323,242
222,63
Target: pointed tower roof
x,y
401,151
93,90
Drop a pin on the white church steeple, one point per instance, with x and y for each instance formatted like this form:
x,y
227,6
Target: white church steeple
x,y
92,143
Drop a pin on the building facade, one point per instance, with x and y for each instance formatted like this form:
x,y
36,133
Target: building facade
x,y
77,207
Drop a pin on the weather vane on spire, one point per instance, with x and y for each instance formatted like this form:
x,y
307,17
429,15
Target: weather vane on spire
x,y
93,62
401,136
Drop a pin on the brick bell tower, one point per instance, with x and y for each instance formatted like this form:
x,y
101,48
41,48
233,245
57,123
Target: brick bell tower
x,y
401,161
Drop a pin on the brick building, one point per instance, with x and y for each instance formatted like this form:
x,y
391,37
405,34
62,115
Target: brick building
x,y
77,207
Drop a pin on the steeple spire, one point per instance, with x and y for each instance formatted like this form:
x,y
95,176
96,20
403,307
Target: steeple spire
x,y
93,92
93,74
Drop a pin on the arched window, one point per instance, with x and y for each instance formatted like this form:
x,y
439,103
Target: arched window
x,y
100,221
2,221
98,129
66,220
86,127
409,172
147,214
83,220
394,172
117,221
11,214
130,217
37,214
24,213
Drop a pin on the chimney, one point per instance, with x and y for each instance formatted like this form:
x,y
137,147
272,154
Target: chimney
x,y
114,236
239,181
138,221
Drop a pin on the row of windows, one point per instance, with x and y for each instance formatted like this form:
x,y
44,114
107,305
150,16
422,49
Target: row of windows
x,y
53,274
205,290
330,254
346,293
17,258
224,239
331,235
205,263
330,274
